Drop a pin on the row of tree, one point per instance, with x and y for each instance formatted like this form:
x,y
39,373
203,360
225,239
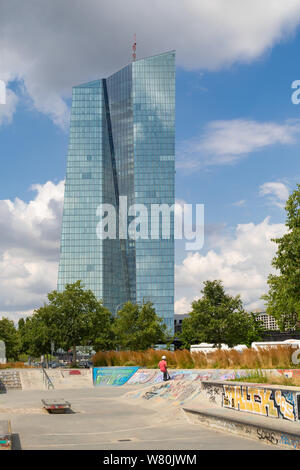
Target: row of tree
x,y
70,318
75,317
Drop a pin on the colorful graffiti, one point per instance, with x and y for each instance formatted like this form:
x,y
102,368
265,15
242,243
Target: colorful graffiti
x,y
264,401
112,375
289,373
290,441
200,375
74,372
143,376
154,376
177,392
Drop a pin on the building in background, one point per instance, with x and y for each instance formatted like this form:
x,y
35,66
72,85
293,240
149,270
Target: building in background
x,y
122,143
271,328
269,322
178,318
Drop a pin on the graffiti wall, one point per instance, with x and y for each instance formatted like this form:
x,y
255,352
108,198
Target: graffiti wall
x,y
153,376
143,376
265,401
112,375
177,392
289,373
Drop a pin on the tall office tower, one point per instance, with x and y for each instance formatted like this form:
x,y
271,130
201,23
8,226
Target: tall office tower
x,y
122,143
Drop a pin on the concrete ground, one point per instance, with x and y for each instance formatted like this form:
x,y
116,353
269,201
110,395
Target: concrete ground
x,y
103,419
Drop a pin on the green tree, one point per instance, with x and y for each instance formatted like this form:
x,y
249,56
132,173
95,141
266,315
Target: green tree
x,y
79,318
283,298
71,318
10,336
38,330
219,318
137,327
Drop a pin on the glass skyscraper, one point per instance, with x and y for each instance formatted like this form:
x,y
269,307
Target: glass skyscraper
x,y
122,143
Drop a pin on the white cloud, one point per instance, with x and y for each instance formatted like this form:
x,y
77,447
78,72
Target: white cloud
x,y
53,45
8,109
242,262
29,249
225,142
277,191
182,305
239,203
29,252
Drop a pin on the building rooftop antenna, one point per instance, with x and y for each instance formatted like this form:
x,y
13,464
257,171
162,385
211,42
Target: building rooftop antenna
x,y
134,49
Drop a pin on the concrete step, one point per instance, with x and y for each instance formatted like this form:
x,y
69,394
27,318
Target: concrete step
x,y
10,380
279,433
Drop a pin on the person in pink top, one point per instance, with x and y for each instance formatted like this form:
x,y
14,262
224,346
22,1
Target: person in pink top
x,y
163,368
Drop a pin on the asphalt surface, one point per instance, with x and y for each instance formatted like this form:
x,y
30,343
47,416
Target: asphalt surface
x,y
102,418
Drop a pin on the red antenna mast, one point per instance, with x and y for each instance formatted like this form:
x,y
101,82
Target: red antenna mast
x,y
134,49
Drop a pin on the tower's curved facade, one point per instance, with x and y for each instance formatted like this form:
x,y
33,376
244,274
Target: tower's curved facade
x,y
122,143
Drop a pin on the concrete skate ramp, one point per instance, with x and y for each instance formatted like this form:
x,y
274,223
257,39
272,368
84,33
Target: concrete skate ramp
x,y
71,378
177,393
272,401
153,376
32,379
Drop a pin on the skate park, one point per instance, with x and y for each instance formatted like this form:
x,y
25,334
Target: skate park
x,y
132,408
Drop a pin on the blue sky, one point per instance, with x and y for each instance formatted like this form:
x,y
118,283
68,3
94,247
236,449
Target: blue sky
x,y
237,135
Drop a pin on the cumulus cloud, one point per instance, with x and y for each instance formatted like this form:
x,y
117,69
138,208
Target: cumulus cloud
x,y
278,192
8,109
242,262
53,45
29,253
29,249
226,142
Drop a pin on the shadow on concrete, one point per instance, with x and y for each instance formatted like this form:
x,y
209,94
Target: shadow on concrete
x,y
16,443
68,411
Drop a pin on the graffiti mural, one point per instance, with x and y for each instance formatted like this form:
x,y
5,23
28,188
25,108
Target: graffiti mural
x,y
143,376
112,375
289,373
290,441
264,401
177,392
200,375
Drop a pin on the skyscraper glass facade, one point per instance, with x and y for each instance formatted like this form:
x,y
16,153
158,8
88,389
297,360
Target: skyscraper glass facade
x,y
122,143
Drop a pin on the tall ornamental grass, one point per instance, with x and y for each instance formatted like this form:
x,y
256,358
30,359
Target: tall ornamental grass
x,y
279,357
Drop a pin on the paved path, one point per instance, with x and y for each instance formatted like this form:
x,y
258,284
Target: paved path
x,y
102,419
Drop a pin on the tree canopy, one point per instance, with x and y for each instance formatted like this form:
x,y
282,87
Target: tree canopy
x,y
71,318
137,327
283,298
9,334
219,318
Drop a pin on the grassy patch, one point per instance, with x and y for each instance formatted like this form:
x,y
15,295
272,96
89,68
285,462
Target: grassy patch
x,y
262,377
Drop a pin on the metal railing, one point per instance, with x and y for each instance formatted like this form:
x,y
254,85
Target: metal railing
x,y
47,381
